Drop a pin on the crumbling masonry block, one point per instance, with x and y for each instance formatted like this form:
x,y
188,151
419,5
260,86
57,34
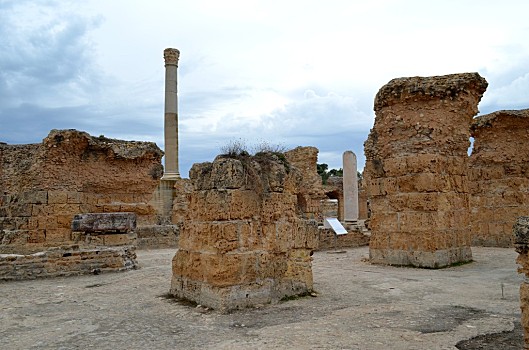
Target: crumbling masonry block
x,y
521,244
416,170
498,176
243,243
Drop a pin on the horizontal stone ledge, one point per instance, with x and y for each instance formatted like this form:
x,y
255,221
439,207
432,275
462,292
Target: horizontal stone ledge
x,y
119,222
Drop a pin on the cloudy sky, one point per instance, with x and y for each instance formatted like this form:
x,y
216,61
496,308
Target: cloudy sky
x,y
286,72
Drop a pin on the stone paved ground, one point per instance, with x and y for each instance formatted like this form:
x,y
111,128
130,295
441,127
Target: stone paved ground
x,y
359,306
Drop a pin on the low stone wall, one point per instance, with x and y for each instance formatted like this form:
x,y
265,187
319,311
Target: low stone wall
x,y
157,236
67,261
327,239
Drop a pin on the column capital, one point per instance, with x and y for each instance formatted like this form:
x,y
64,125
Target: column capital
x,y
171,56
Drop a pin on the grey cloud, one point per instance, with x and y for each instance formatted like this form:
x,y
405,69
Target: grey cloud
x,y
47,74
321,115
29,123
331,122
194,103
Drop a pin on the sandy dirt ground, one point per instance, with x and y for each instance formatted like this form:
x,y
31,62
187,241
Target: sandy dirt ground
x,y
358,306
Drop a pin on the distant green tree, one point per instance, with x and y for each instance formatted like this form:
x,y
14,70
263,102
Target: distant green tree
x,y
322,171
322,168
336,172
325,173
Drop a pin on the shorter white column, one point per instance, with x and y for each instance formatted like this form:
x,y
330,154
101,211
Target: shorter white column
x,y
350,187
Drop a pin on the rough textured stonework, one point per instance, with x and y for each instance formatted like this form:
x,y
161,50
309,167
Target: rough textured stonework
x,y
328,240
104,222
311,193
66,261
70,172
243,242
104,229
416,170
521,243
499,176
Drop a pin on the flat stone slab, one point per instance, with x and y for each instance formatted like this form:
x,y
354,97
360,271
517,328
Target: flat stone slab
x,y
104,222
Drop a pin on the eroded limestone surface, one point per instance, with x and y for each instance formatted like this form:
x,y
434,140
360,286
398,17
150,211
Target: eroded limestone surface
x,y
310,192
499,176
243,241
416,167
70,172
521,243
67,261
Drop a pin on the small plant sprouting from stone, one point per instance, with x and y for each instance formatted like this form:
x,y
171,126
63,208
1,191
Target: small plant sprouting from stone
x,y
235,148
239,147
267,147
264,149
263,152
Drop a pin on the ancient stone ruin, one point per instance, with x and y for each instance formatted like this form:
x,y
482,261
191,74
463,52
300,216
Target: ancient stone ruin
x,y
45,185
520,232
416,170
499,176
310,192
107,229
244,241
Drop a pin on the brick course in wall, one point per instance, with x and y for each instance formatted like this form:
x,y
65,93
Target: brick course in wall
x,y
416,170
70,172
243,242
498,176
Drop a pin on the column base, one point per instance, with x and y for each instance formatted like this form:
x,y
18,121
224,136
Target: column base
x,y
432,259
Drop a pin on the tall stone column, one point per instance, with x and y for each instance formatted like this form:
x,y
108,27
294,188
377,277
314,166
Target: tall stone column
x,y
350,186
416,170
171,115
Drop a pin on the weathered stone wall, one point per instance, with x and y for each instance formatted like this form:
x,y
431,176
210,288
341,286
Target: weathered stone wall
x,y
243,242
499,176
363,207
328,240
520,232
310,193
44,185
416,170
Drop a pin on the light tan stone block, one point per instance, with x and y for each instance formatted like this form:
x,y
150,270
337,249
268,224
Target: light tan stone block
x,y
221,270
395,167
57,197
73,197
116,239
